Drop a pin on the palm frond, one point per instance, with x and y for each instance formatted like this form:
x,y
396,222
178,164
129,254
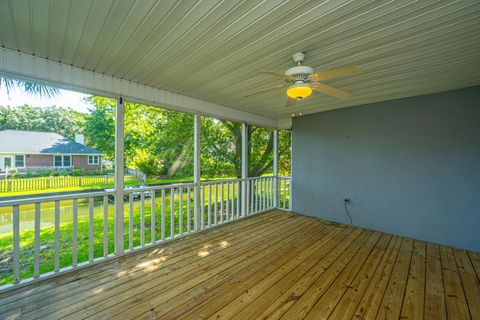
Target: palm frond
x,y
8,84
41,90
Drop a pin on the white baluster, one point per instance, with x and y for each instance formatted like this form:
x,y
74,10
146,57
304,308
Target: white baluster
x,y
75,233
105,225
16,244
90,229
36,262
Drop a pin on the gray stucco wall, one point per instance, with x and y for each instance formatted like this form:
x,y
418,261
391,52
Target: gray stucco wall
x,y
411,166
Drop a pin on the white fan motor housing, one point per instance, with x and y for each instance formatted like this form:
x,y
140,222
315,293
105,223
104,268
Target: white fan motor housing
x,y
299,71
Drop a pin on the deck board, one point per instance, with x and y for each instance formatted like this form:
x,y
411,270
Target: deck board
x,y
275,265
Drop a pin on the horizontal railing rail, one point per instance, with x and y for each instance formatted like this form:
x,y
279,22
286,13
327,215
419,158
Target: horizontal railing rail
x,y
69,196
45,235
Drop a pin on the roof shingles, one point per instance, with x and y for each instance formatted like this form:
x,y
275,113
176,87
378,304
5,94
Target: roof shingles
x,y
34,142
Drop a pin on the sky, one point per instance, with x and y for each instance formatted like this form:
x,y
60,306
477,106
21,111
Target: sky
x,y
66,98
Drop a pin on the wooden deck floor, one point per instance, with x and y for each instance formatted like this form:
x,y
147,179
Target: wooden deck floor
x,y
274,265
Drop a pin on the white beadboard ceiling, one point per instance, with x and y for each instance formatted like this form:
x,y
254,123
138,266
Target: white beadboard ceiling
x,y
213,50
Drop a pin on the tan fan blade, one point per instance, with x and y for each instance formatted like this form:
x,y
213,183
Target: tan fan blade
x,y
278,86
290,102
336,73
329,90
277,74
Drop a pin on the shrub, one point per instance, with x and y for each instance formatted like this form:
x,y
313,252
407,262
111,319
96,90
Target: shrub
x,y
147,163
63,172
95,173
37,173
13,173
77,172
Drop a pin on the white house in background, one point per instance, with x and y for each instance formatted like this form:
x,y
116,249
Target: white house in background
x,y
33,150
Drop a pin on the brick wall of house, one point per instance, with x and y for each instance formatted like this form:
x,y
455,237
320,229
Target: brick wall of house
x,y
37,160
82,162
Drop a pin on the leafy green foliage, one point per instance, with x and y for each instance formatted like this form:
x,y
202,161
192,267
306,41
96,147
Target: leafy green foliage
x,y
284,152
63,121
260,151
77,172
100,126
147,163
221,148
158,141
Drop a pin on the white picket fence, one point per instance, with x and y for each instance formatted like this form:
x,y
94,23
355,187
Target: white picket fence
x,y
52,182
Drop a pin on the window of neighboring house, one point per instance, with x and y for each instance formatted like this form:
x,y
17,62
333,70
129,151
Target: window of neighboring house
x,y
58,161
7,162
63,161
93,160
20,161
67,161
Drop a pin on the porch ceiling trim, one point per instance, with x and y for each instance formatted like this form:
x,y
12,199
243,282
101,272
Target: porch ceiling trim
x,y
29,67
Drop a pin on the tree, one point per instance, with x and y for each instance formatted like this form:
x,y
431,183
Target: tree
x,y
222,143
100,126
63,121
165,133
150,133
221,148
162,141
285,152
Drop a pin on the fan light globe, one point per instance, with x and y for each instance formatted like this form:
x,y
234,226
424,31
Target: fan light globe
x,y
299,91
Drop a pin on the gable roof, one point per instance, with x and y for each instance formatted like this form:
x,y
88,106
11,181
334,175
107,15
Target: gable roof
x,y
34,142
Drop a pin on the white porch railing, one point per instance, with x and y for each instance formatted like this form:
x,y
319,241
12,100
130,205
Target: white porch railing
x,y
283,193
75,230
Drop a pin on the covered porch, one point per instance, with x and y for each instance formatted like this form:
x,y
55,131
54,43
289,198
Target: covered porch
x,y
377,220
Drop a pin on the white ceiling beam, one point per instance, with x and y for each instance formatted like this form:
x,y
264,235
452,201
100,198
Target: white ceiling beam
x,y
29,67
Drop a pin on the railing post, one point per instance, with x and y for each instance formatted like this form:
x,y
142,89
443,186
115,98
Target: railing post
x,y
196,170
275,168
119,167
244,168
291,174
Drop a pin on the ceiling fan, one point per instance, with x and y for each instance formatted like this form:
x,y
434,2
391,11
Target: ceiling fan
x,y
301,80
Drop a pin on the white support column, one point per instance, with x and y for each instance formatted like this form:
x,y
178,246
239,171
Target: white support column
x,y
244,167
291,174
196,170
119,172
275,167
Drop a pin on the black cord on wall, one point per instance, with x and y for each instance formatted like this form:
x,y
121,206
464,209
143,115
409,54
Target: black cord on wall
x,y
346,210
